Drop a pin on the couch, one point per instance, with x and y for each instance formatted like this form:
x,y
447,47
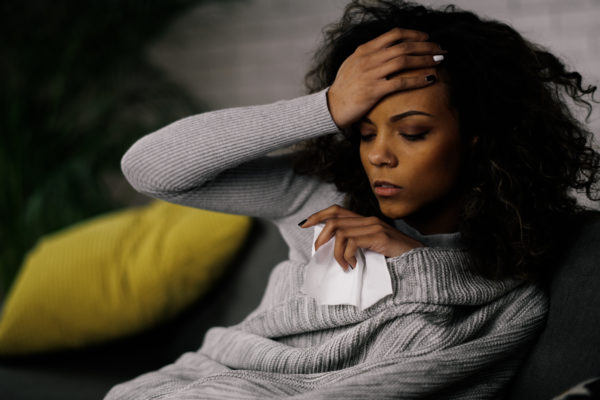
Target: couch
x,y
566,352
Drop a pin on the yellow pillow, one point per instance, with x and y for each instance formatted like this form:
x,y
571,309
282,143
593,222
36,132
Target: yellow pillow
x,y
115,275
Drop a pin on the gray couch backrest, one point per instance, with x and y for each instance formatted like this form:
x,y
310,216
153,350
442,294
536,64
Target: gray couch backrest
x,y
568,349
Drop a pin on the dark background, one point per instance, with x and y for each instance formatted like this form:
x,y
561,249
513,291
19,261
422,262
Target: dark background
x,y
77,90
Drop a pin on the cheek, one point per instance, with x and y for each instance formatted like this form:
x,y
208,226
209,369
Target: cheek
x,y
446,162
438,169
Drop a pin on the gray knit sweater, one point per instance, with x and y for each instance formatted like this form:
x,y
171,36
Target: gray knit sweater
x,y
443,333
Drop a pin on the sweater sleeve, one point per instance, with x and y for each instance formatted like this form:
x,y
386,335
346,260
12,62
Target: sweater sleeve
x,y
218,160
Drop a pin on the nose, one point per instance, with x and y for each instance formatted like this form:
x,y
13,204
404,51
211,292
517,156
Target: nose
x,y
380,154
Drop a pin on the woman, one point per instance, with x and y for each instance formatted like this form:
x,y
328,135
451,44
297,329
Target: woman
x,y
434,138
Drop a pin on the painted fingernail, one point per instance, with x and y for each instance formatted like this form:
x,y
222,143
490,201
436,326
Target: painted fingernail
x,y
430,78
438,58
302,222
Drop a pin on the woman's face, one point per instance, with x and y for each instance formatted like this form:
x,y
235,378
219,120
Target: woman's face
x,y
411,152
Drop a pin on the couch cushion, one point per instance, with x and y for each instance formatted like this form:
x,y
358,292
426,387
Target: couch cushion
x,y
568,349
116,275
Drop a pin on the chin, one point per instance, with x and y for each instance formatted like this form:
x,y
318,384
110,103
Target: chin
x,y
395,211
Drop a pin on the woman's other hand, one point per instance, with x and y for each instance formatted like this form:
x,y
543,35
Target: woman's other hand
x,y
353,231
372,72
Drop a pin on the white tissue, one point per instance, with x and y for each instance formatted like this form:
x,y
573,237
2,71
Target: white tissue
x,y
328,283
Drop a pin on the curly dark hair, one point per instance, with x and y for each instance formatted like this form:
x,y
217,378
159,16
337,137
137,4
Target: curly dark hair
x,y
513,95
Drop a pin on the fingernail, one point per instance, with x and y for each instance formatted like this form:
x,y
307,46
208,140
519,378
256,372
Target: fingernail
x,y
430,78
302,222
438,58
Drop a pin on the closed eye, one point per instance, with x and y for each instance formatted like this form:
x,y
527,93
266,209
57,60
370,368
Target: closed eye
x,y
367,137
414,137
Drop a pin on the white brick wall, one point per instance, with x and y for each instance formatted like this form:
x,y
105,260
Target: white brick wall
x,y
255,51
244,52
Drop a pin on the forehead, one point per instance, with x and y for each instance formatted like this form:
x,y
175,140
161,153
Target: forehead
x,y
432,99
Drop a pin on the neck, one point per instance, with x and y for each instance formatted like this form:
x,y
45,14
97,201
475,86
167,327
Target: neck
x,y
441,216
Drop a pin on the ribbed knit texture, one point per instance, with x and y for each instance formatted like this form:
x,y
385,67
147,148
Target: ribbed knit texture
x,y
444,333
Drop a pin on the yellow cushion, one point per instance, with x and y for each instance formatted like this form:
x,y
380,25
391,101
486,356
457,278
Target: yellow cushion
x,y
115,275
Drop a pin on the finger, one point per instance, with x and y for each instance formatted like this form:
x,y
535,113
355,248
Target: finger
x,y
395,35
385,242
356,231
350,253
339,250
405,63
371,241
400,83
408,48
335,211
347,242
351,225
324,236
332,226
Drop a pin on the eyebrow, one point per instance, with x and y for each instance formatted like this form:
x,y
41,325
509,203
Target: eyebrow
x,y
408,114
398,117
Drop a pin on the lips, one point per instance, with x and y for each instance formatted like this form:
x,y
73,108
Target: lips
x,y
385,188
384,184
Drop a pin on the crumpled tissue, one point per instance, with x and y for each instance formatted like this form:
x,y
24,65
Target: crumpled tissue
x,y
328,283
